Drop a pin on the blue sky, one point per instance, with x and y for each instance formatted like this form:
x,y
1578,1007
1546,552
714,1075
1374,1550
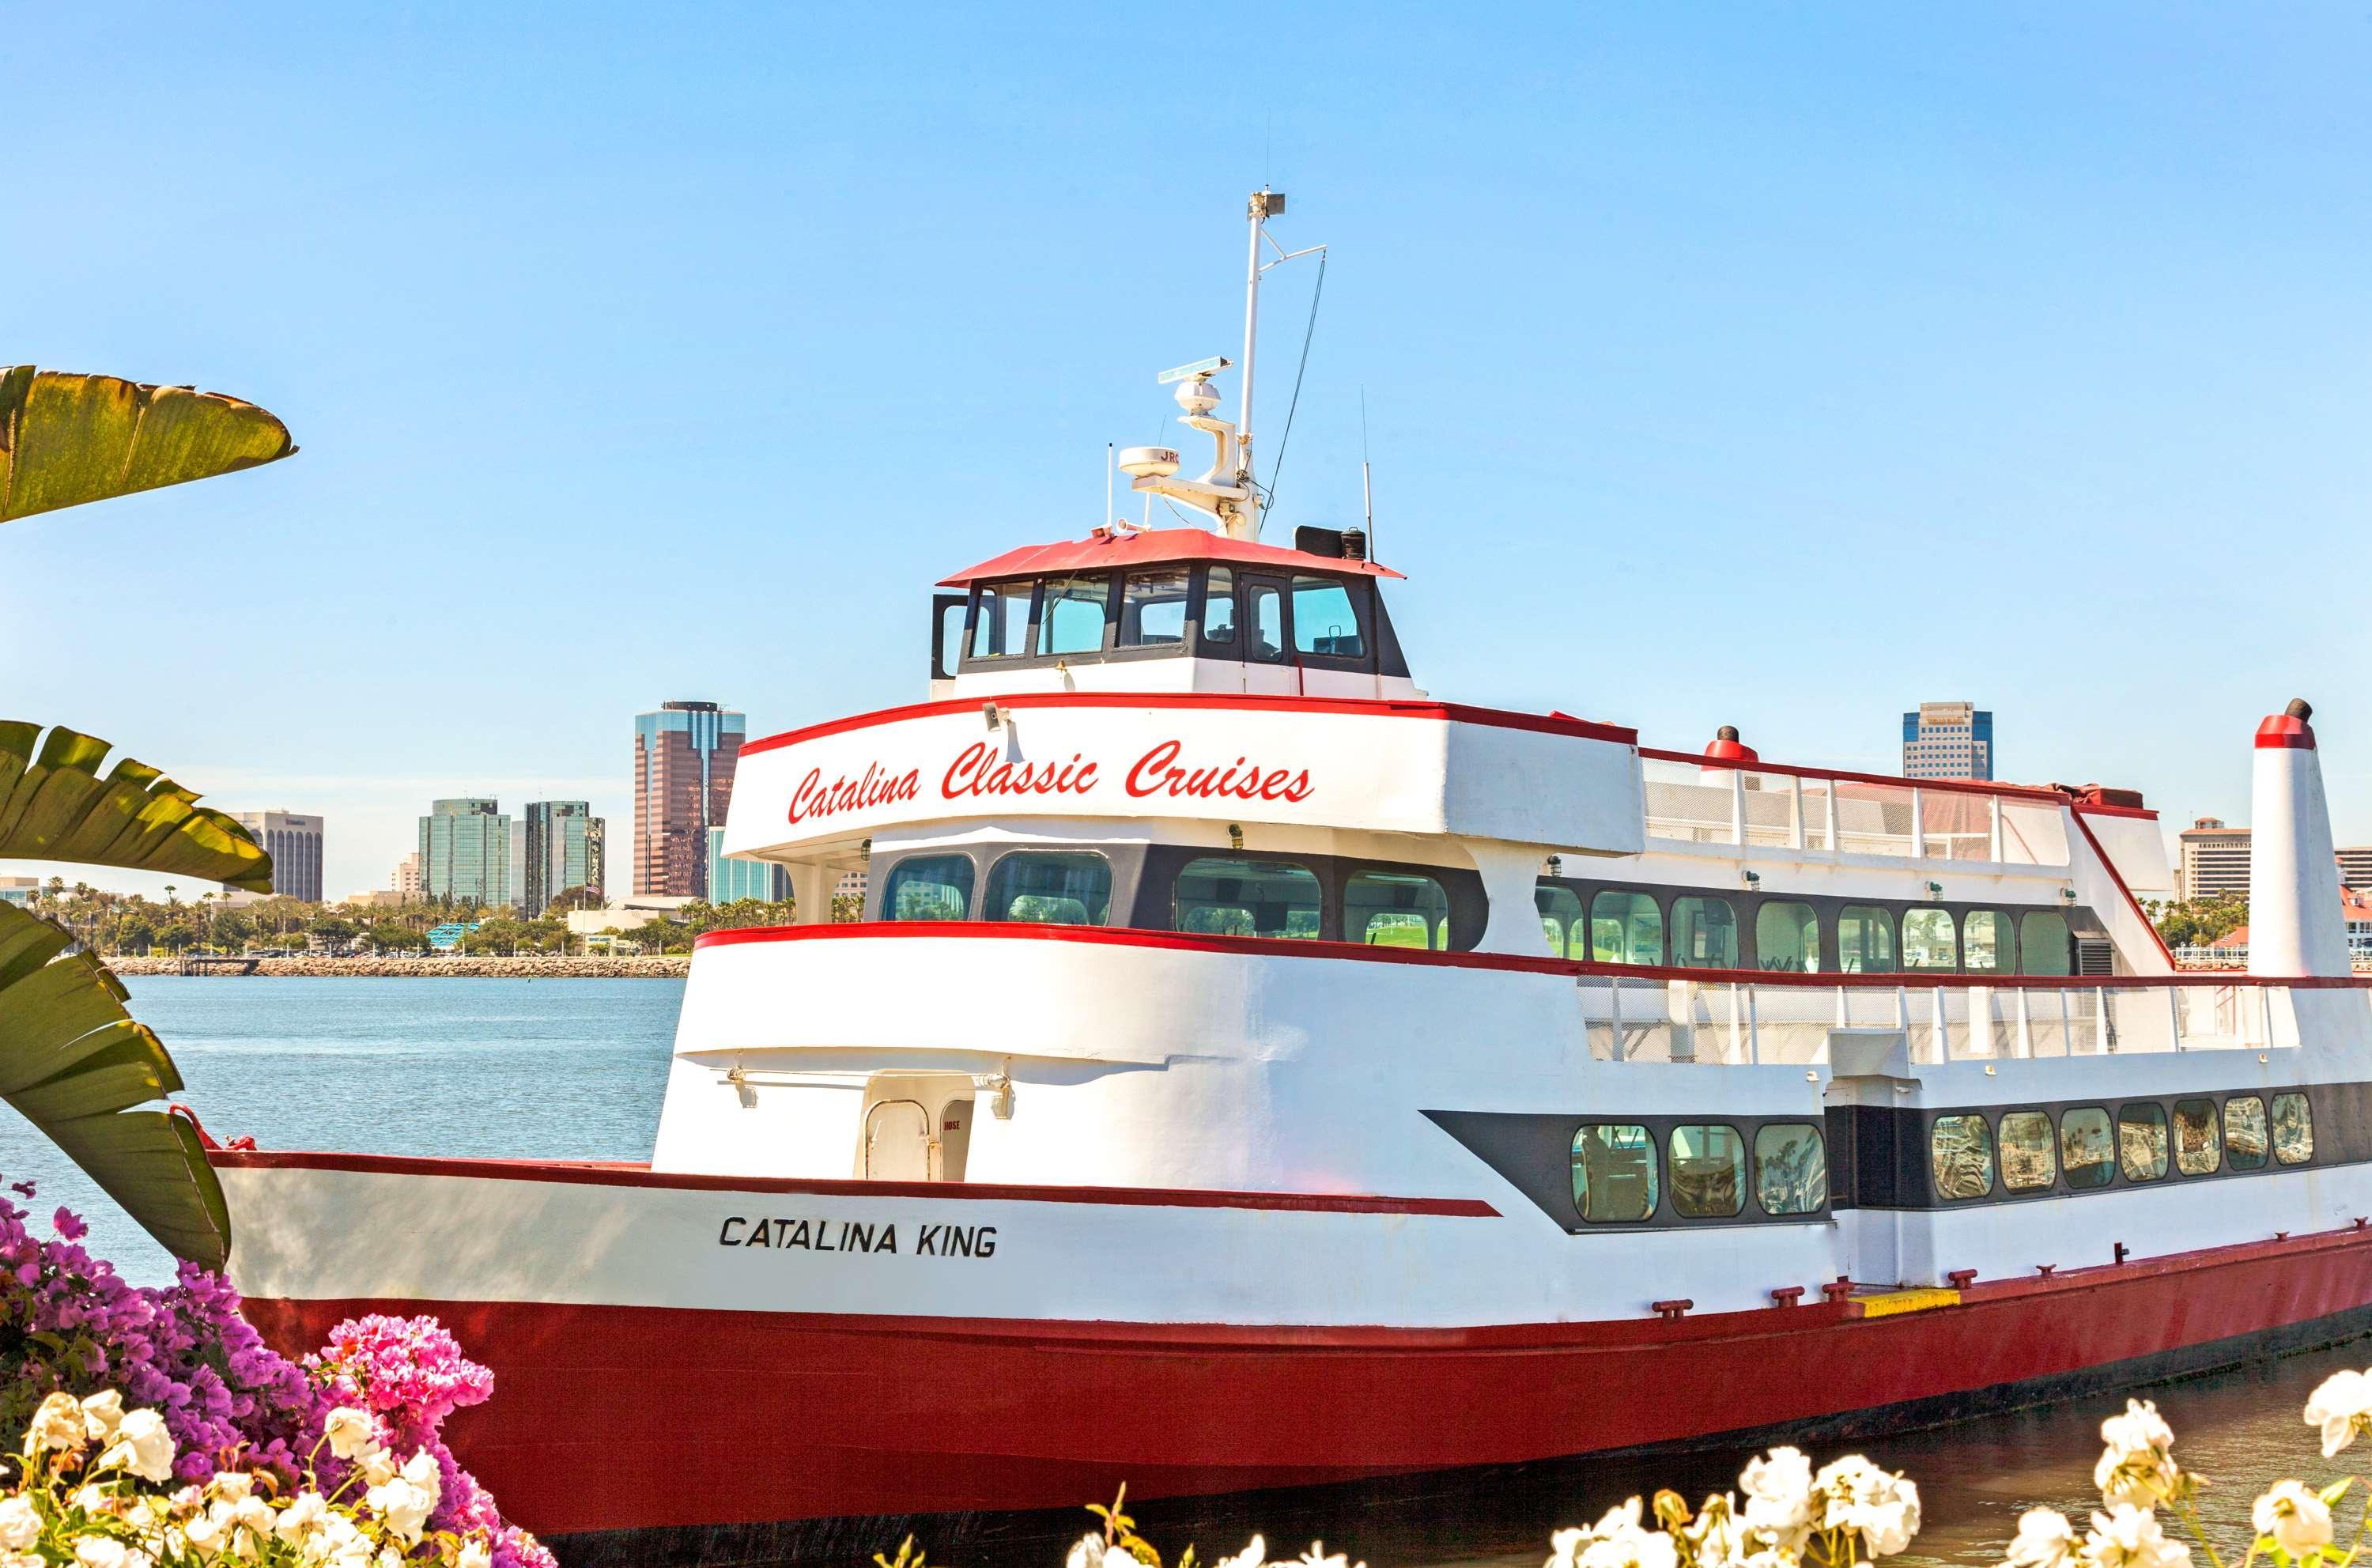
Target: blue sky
x,y
1773,365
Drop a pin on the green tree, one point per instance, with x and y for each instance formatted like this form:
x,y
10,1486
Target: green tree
x,y
390,937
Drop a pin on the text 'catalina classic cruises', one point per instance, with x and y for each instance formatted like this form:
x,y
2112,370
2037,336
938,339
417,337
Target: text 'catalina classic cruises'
x,y
1234,1027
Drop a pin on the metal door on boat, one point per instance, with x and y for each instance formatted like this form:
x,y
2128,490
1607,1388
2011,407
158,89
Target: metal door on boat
x,y
898,1142
1268,646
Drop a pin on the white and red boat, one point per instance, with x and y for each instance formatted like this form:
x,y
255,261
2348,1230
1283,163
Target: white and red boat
x,y
1250,1070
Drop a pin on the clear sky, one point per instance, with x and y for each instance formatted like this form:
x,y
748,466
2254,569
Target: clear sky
x,y
1780,365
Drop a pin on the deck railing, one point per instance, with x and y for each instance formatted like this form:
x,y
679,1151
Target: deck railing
x,y
1710,801
1723,1017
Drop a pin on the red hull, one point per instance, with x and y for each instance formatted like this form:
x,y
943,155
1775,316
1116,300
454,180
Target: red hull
x,y
614,1418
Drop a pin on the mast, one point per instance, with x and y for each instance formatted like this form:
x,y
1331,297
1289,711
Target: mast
x,y
1264,204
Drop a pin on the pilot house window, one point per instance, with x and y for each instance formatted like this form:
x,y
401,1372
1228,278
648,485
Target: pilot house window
x,y
1071,618
1050,887
1223,897
1324,619
1152,608
1219,607
1000,621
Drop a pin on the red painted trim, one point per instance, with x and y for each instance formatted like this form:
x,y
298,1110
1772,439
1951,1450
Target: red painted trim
x,y
1517,963
591,1174
2132,903
1953,787
2142,813
1355,707
2282,733
1107,550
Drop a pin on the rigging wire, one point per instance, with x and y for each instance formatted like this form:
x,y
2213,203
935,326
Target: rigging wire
x,y
1307,331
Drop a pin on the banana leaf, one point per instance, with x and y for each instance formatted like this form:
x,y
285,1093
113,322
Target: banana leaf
x,y
66,439
54,806
76,1065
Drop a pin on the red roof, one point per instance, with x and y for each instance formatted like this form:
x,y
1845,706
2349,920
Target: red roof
x,y
1104,550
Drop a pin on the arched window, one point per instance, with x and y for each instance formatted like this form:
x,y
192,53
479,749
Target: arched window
x,y
1224,896
1050,887
1865,940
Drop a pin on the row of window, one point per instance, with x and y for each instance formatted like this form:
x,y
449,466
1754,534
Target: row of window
x,y
2089,1150
1147,609
1615,1169
1629,926
1215,895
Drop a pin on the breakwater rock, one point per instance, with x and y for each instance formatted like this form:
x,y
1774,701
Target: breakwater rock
x,y
674,967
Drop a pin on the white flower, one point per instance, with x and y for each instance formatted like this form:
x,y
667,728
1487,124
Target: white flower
x,y
143,1446
350,1431
2045,1539
478,1555
1778,1497
2135,1467
23,1559
2298,1521
1315,1558
379,1466
100,1414
421,1471
205,1534
1091,1551
101,1552
1615,1541
404,1505
1879,1505
1252,1556
297,1521
232,1485
20,1523
2127,1537
1718,1535
57,1425
92,1500
2341,1407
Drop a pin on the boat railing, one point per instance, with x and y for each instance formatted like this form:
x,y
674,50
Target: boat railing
x,y
1707,801
1637,1013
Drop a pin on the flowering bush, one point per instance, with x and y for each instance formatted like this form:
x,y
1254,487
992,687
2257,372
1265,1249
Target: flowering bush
x,y
181,1359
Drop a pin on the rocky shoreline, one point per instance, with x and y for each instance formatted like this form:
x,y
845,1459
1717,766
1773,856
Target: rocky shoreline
x,y
673,966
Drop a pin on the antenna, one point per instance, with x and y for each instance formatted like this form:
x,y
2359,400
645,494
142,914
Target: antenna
x,y
1108,484
1366,477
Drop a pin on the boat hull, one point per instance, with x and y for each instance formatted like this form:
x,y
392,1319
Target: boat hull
x,y
637,1418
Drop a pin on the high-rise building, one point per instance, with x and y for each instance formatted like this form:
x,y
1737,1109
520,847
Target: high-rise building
x,y
404,881
1947,740
597,856
732,877
2213,862
554,848
294,842
2355,868
465,852
685,758
19,890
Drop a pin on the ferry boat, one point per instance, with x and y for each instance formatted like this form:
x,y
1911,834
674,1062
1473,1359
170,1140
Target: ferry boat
x,y
1253,1070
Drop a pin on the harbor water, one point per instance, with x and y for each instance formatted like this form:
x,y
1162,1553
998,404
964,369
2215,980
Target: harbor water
x,y
573,1068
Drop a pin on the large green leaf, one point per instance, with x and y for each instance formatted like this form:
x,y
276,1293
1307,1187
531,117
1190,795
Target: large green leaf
x,y
66,439
74,1064
54,806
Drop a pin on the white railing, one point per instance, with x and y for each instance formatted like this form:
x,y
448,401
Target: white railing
x,y
1700,801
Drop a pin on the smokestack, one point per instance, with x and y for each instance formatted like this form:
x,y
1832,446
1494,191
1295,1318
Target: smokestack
x,y
2295,923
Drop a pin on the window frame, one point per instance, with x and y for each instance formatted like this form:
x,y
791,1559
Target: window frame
x,y
1754,1155
1902,964
2050,1183
2165,1128
2214,1130
1359,871
1893,937
1330,913
1656,1194
1993,1158
2113,1165
1672,930
2273,1127
988,882
1741,1170
2265,1156
972,885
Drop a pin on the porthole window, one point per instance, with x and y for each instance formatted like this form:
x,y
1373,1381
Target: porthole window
x,y
2293,1130
1704,934
1929,940
928,887
2030,1161
1865,940
1791,1169
1389,909
1615,1173
2198,1141
2086,1149
1708,1165
1626,928
1050,887
1961,1153
2244,1132
1225,897
2141,1140
1788,938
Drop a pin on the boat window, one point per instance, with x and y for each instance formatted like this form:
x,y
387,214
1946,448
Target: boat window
x,y
1929,940
1268,624
1788,938
2044,945
928,887
1324,619
1000,620
1987,946
2198,1141
2086,1148
1865,940
2244,1132
1960,1152
1050,887
1708,1172
1704,934
2293,1130
1219,606
1626,928
1388,909
1225,897
1561,919
1152,608
1071,621
2141,1140
1615,1173
1791,1169
2028,1159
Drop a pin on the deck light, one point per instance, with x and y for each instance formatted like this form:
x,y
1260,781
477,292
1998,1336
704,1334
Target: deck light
x,y
2068,894
1555,865
988,711
1750,879
1935,890
1235,835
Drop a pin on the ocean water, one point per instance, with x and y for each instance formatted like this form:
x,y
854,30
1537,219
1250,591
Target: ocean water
x,y
573,1068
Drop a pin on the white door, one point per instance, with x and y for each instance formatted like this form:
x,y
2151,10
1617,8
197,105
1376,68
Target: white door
x,y
898,1142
